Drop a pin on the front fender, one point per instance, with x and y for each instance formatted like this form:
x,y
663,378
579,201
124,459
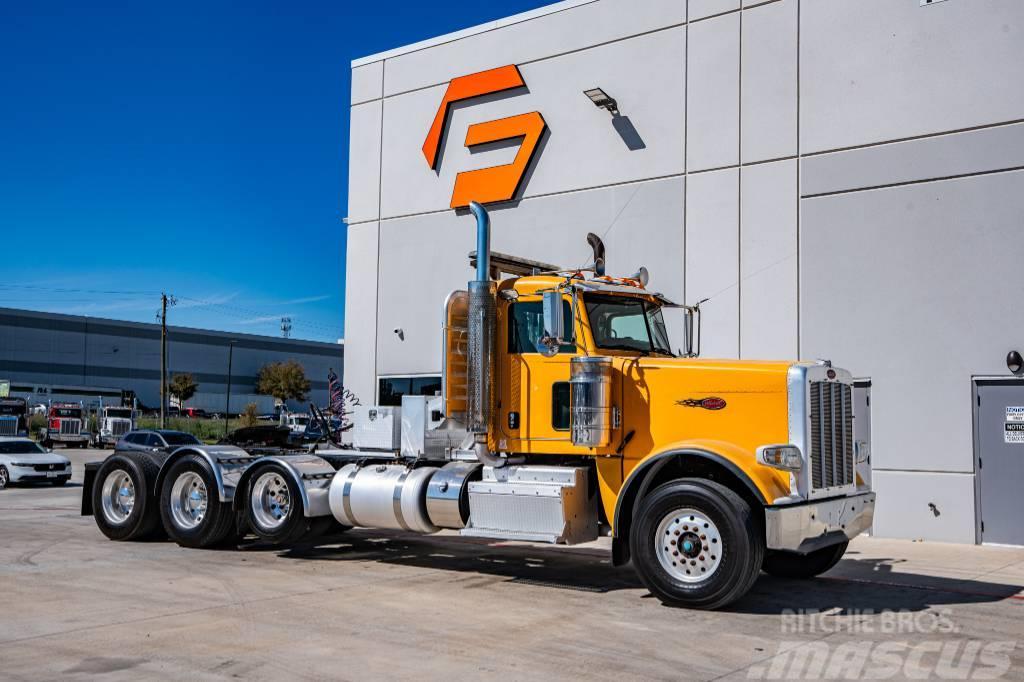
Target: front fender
x,y
763,482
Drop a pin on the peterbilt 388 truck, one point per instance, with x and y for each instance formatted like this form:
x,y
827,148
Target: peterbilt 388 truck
x,y
564,415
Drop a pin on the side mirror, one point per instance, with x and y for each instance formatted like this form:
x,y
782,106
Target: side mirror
x,y
554,324
688,332
691,330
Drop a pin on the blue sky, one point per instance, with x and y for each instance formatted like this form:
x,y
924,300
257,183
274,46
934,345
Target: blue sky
x,y
198,148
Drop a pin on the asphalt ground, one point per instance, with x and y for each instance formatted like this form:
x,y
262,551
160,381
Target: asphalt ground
x,y
379,605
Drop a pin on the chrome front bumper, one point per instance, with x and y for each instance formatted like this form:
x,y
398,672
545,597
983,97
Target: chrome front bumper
x,y
811,526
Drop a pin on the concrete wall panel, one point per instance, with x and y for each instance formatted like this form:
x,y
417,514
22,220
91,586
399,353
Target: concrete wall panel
x,y
585,147
911,286
713,102
904,508
553,34
367,82
944,156
699,9
769,81
768,261
364,162
361,311
712,258
876,70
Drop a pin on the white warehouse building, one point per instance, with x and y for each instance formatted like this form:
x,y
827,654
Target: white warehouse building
x,y
841,179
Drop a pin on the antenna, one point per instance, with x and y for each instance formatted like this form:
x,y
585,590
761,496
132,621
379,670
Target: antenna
x,y
286,327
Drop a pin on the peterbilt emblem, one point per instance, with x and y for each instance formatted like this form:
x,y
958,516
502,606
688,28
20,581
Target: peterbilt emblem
x,y
712,403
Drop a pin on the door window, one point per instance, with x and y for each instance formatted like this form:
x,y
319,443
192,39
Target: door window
x,y
526,327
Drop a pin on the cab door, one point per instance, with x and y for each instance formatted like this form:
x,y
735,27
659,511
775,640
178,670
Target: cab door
x,y
533,406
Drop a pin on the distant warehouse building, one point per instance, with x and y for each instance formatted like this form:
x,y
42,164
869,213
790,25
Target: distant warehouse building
x,y
840,178
48,356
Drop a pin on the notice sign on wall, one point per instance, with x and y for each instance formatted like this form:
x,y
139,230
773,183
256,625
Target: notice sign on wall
x,y
1013,432
1014,414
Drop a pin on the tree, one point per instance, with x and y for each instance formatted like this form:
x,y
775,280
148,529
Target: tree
x,y
183,387
283,380
249,416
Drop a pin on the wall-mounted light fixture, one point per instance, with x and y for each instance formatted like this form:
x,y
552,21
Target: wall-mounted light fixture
x,y
1015,363
601,99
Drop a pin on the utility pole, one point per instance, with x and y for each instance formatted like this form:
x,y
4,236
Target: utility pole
x,y
165,301
227,402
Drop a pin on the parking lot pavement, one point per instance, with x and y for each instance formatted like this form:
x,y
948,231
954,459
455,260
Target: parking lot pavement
x,y
385,605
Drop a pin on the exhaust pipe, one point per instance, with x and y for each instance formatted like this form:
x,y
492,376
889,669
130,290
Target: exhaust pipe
x,y
480,364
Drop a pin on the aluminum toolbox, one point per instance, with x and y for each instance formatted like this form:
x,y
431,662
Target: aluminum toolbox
x,y
377,428
537,503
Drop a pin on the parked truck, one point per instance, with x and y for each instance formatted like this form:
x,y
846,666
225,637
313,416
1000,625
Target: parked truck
x,y
565,415
65,423
112,423
13,417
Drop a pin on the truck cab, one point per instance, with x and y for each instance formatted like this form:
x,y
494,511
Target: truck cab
x,y
113,424
13,417
65,423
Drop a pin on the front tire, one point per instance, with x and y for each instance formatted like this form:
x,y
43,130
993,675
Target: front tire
x,y
696,543
5,477
190,508
801,566
121,501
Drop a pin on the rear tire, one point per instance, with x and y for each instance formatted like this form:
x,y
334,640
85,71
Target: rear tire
x,y
122,504
274,511
696,543
190,505
792,565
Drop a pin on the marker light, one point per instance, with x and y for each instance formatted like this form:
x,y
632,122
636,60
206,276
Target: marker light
x,y
786,457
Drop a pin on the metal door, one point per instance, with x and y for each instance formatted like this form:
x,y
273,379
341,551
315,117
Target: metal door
x,y
999,458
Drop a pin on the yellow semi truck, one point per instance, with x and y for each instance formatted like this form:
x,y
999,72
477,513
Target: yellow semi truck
x,y
565,415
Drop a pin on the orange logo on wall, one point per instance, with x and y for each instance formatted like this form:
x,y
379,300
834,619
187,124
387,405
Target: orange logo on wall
x,y
498,183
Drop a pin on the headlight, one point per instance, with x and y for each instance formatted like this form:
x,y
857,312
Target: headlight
x,y
786,457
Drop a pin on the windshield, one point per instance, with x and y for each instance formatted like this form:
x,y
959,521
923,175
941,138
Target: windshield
x,y
301,421
621,323
12,407
20,447
119,414
180,439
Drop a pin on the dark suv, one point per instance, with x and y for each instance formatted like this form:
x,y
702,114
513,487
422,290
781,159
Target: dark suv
x,y
154,441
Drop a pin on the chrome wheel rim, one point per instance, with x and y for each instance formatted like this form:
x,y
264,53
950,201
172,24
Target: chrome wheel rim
x,y
118,497
688,545
188,500
271,501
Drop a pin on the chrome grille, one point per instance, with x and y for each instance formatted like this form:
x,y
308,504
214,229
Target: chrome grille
x,y
119,427
831,434
8,426
70,427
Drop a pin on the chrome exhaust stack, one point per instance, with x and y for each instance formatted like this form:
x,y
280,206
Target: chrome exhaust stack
x,y
482,323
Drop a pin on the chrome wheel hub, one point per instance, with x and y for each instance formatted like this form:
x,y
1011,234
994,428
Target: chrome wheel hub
x,y
688,545
188,500
270,501
118,497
